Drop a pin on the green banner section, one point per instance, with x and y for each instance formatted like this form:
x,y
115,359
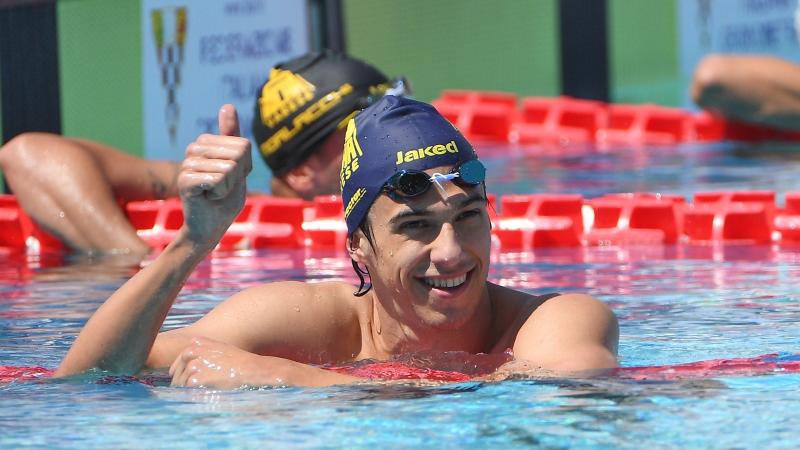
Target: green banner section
x,y
101,70
643,52
459,44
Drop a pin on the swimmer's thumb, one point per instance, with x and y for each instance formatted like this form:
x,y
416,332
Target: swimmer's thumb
x,y
228,121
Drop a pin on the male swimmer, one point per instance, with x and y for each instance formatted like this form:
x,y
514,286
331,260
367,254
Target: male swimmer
x,y
72,186
416,212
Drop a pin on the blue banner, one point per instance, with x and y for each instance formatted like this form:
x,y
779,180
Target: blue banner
x,y
200,54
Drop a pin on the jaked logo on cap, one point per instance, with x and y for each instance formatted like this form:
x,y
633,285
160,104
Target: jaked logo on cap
x,y
431,150
394,134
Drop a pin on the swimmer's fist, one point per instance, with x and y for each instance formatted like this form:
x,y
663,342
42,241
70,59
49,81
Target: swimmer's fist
x,y
210,364
212,179
206,363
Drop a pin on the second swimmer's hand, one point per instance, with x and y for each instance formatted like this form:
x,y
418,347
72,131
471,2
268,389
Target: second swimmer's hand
x,y
211,181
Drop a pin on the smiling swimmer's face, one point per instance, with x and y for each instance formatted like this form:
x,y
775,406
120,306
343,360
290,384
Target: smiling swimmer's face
x,y
431,254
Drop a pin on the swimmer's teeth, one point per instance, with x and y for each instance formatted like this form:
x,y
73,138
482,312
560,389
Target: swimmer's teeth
x,y
446,283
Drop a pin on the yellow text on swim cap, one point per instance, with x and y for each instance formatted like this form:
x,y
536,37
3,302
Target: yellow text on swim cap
x,y
282,95
357,196
309,116
352,151
431,150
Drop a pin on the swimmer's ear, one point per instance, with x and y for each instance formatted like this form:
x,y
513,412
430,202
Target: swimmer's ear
x,y
301,179
356,247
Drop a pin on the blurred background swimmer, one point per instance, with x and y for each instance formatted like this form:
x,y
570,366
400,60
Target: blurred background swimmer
x,y
754,88
74,187
757,89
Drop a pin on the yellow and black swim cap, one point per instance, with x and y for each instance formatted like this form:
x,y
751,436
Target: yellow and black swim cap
x,y
306,99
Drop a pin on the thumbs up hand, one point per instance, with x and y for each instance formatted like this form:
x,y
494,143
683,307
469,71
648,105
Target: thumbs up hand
x,y
212,178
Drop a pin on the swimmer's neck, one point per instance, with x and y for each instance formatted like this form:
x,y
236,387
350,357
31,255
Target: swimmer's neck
x,y
385,336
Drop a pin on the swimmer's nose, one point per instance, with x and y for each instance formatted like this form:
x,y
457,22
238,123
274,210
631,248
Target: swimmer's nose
x,y
446,249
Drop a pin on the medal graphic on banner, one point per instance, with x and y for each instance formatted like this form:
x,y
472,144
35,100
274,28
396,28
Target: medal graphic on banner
x,y
169,42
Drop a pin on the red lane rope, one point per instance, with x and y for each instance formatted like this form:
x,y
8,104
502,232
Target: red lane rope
x,y
23,373
561,121
520,222
759,365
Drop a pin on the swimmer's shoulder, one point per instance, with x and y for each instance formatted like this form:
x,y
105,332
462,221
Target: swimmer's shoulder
x,y
331,298
513,306
511,309
309,322
510,304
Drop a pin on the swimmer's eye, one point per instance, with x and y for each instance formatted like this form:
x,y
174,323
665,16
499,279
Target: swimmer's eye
x,y
470,214
412,225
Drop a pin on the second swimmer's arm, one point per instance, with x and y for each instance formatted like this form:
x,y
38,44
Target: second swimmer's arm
x,y
119,336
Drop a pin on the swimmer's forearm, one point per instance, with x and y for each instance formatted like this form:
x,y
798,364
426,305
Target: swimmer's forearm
x,y
120,334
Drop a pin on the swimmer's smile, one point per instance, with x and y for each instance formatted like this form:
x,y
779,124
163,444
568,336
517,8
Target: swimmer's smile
x,y
447,286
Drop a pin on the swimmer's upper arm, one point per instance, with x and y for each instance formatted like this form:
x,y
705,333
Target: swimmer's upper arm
x,y
569,333
285,319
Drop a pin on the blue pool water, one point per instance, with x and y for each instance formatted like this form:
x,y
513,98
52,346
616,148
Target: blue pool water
x,y
675,304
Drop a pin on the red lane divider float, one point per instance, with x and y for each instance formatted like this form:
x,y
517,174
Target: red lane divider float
x,y
264,222
503,117
18,230
391,370
522,222
23,373
760,365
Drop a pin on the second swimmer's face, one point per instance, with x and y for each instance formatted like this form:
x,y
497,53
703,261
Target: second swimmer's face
x,y
326,162
431,253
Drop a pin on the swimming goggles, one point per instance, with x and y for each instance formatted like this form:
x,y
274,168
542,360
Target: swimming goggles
x,y
413,183
399,87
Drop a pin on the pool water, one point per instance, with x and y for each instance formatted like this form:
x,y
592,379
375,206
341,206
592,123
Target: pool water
x,y
676,304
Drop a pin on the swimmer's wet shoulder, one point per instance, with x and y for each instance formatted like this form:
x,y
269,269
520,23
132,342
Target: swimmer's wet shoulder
x,y
314,323
510,310
323,323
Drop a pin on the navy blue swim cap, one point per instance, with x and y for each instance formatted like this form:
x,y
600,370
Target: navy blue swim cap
x,y
394,134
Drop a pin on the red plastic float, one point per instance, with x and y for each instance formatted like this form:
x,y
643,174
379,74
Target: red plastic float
x,y
499,116
635,219
392,370
523,222
561,120
743,217
527,221
17,230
